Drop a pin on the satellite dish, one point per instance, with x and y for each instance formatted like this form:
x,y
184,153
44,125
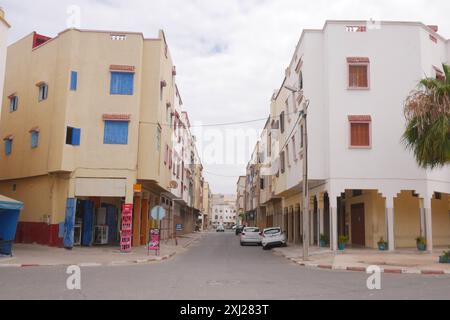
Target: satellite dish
x,y
173,184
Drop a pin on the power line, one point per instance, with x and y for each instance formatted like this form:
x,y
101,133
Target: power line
x,y
223,124
220,175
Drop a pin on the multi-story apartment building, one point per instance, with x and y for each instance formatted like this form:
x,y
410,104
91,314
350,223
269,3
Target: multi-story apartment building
x,y
93,130
4,28
240,199
186,170
363,182
206,206
254,214
223,210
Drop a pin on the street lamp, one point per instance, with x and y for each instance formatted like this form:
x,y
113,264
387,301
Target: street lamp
x,y
304,115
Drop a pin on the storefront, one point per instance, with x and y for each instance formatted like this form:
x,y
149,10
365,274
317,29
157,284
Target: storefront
x,y
93,216
97,221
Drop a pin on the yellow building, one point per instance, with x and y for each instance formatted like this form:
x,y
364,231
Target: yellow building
x,y
92,131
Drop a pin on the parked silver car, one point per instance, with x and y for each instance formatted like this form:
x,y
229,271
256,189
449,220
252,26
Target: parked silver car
x,y
250,236
273,237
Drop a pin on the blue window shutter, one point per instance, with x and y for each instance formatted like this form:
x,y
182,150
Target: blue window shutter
x,y
116,132
8,147
43,92
34,139
122,83
13,103
73,81
76,137
69,223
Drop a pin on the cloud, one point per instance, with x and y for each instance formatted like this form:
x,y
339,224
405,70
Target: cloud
x,y
231,54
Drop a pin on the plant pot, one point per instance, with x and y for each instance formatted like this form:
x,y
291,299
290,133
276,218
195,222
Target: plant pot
x,y
382,246
341,246
444,259
421,247
323,244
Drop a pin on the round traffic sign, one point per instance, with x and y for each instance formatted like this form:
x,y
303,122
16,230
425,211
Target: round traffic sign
x,y
158,213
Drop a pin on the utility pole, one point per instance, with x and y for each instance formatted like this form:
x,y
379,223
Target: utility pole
x,y
305,183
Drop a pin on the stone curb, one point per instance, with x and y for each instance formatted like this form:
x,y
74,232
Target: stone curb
x,y
364,269
106,264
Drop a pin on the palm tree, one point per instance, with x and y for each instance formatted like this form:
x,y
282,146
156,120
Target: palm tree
x,y
427,111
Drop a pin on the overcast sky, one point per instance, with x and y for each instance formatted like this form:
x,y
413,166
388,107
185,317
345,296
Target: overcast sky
x,y
230,54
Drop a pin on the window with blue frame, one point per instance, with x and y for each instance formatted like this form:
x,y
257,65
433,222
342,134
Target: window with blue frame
x,y
116,132
34,139
43,92
13,103
73,136
73,81
8,146
122,83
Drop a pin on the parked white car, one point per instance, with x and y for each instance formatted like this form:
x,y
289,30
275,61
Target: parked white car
x,y
250,236
220,228
273,237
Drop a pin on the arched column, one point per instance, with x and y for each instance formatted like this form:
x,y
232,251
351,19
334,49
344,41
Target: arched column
x,y
320,213
290,218
427,221
311,220
334,233
390,221
297,232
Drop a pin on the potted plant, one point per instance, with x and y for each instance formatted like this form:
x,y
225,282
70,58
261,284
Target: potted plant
x,y
342,242
382,245
445,258
324,241
421,243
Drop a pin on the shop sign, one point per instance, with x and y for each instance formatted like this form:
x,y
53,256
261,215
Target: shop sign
x,y
155,241
127,228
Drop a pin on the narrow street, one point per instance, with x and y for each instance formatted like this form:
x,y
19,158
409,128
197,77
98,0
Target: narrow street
x,y
217,267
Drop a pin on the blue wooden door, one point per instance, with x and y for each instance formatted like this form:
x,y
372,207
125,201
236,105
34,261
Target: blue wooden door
x,y
69,223
112,220
87,237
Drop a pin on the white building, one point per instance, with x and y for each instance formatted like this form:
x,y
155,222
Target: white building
x,y
363,182
223,210
4,27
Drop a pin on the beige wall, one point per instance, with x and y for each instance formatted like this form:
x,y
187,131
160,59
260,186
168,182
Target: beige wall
x,y
375,225
4,29
43,196
441,221
407,220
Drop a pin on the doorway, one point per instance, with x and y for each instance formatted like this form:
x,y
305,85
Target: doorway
x,y
358,225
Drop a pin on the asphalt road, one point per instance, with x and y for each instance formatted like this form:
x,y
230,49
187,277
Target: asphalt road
x,y
216,268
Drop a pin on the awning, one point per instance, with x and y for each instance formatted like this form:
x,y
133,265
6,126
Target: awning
x,y
10,204
9,217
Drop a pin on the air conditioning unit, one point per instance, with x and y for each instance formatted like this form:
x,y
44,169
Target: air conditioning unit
x,y
101,235
101,217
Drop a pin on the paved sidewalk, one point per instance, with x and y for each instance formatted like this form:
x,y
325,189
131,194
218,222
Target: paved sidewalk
x,y
37,256
408,261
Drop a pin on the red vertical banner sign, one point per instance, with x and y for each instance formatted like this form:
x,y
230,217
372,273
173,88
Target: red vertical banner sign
x,y
155,241
127,228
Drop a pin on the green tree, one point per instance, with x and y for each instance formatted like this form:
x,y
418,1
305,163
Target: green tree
x,y
427,111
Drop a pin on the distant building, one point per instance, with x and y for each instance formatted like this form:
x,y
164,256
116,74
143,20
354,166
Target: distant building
x,y
223,210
